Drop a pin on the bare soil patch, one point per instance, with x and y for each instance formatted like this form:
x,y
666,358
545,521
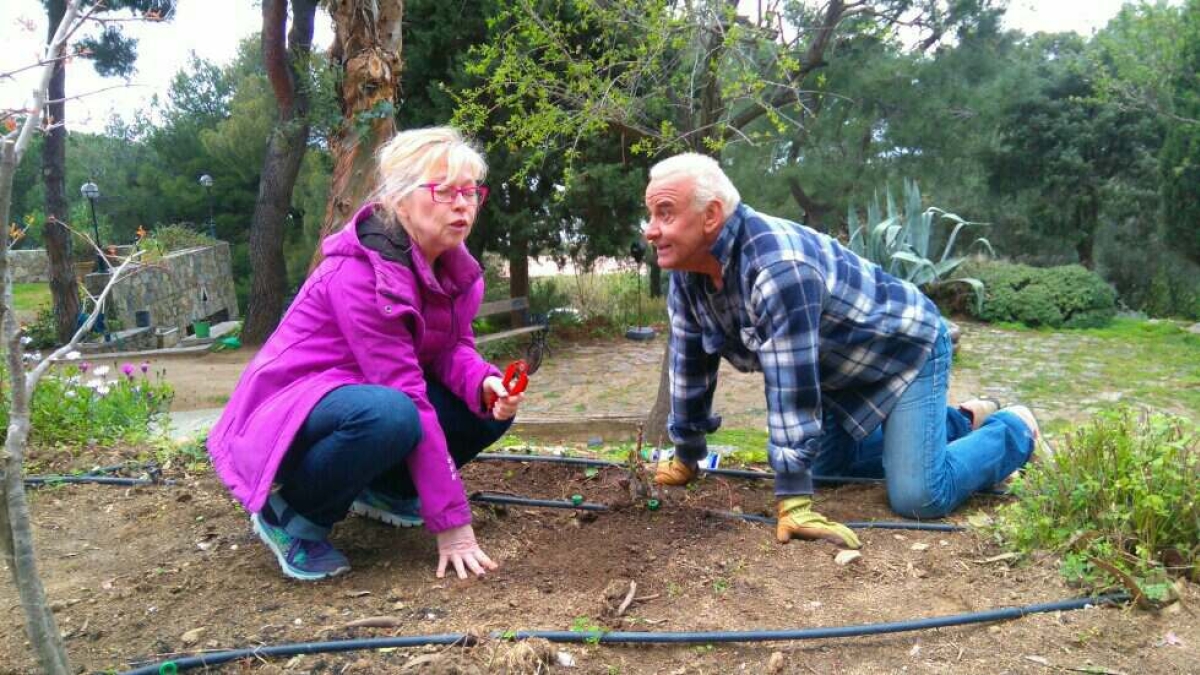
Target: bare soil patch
x,y
133,570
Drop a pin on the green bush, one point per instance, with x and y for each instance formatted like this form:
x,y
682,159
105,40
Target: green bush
x,y
78,405
42,332
1067,296
168,238
1117,500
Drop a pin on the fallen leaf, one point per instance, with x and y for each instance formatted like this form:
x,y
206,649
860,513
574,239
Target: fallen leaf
x,y
357,594
920,546
1039,660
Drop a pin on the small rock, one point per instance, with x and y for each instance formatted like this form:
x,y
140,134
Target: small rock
x,y
920,546
775,663
565,659
193,636
595,442
846,557
1194,329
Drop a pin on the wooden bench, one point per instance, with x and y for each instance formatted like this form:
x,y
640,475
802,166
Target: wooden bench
x,y
520,308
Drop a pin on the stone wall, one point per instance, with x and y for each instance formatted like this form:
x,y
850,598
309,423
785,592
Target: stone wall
x,y
29,266
195,283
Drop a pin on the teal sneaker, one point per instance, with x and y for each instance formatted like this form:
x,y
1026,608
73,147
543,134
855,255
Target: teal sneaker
x,y
401,512
303,559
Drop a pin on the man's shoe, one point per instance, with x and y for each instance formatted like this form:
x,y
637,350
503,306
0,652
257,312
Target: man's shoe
x,y
1041,449
675,472
398,511
979,409
303,559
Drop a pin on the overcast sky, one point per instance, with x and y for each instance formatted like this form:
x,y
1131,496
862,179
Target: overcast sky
x,y
213,28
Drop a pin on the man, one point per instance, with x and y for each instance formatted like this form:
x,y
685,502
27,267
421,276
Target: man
x,y
855,362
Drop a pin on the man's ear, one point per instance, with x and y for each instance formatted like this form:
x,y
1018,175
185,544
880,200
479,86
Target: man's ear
x,y
714,217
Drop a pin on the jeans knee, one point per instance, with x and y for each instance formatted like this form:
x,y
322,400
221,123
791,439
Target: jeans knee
x,y
389,418
918,503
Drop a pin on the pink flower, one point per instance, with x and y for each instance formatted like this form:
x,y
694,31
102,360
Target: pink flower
x,y
145,367
128,369
83,367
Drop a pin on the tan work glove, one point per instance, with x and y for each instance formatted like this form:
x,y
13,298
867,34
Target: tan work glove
x,y
797,519
676,472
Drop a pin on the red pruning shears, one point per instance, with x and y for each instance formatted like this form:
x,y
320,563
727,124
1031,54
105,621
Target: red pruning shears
x,y
516,377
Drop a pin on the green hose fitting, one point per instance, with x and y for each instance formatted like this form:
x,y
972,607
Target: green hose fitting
x,y
168,668
577,500
653,504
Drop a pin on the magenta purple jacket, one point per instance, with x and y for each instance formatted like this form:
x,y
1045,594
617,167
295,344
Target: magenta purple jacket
x,y
360,319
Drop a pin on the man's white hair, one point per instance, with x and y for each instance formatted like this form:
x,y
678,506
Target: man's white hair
x,y
710,181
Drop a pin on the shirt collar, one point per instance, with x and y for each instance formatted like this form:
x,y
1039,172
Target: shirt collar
x,y
722,248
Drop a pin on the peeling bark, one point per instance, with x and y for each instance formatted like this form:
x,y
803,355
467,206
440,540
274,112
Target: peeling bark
x,y
367,45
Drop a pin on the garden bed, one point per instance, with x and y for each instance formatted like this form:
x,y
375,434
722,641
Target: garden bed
x,y
145,574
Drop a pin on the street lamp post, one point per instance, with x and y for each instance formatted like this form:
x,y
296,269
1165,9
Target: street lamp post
x,y
207,181
92,192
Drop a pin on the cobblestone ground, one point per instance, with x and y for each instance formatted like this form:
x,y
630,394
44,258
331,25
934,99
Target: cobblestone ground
x,y
619,378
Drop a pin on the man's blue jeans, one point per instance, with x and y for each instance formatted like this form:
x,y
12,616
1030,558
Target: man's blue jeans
x,y
931,459
358,436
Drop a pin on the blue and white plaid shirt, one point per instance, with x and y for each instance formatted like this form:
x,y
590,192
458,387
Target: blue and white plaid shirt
x,y
825,327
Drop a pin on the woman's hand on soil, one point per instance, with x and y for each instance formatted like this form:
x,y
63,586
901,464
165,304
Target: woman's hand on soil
x,y
458,547
502,404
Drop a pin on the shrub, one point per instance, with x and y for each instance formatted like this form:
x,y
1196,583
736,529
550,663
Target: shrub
x,y
168,238
1117,500
42,332
78,405
1067,296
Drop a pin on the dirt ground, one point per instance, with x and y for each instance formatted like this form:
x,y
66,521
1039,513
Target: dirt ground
x,y
140,574
143,574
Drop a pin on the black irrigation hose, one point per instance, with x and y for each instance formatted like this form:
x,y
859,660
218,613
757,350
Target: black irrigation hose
x,y
856,524
102,480
631,637
292,649
493,498
732,473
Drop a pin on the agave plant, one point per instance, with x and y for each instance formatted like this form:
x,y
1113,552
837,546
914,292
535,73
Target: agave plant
x,y
899,243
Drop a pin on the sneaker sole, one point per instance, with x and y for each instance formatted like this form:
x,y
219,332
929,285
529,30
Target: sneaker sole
x,y
281,556
382,516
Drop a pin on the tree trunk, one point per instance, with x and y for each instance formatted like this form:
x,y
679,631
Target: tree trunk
x,y
16,535
814,211
518,275
281,165
367,42
656,422
63,287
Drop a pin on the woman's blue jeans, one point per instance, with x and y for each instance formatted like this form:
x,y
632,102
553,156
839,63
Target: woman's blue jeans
x,y
357,437
926,451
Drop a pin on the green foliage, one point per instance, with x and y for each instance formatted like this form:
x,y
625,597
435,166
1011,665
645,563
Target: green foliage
x,y
901,242
1067,296
42,332
169,238
584,624
77,405
1118,497
545,294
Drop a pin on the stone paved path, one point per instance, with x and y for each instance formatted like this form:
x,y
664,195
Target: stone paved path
x,y
618,378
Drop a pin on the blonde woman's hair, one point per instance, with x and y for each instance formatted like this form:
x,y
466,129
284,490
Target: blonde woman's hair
x,y
407,159
710,181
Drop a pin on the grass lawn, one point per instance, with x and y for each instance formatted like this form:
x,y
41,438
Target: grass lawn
x,y
30,297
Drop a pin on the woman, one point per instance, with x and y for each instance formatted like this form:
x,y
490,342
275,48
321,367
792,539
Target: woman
x,y
371,393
